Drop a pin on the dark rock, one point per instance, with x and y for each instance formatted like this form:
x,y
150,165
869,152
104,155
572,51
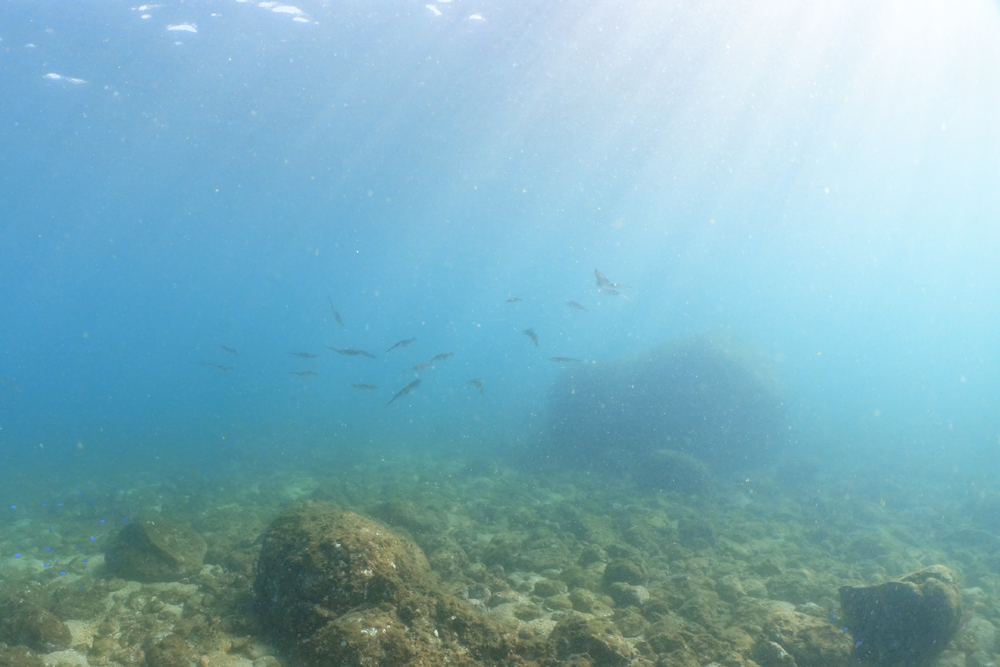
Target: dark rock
x,y
695,533
155,550
625,595
18,656
626,571
712,396
599,639
630,622
668,470
772,654
406,514
171,651
28,624
906,622
546,588
811,642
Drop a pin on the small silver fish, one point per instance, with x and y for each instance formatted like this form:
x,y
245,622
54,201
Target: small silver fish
x,y
218,367
229,350
418,367
408,389
402,343
362,387
564,360
576,306
604,282
353,352
530,333
336,315
610,291
514,299
442,356
304,355
477,383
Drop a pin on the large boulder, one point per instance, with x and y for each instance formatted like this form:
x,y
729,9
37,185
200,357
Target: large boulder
x,y
336,588
906,622
712,397
155,550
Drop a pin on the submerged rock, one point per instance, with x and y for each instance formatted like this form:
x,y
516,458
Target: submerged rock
x,y
792,638
335,588
29,625
711,396
597,638
156,550
903,623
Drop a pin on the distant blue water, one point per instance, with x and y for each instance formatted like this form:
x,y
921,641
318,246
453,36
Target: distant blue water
x,y
820,180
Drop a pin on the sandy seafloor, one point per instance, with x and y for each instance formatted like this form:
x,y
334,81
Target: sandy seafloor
x,y
716,561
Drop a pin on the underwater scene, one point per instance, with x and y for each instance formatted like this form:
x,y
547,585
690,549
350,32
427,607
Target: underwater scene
x,y
469,333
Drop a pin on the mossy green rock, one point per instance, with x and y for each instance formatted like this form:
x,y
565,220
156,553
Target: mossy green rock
x,y
625,571
171,651
156,550
318,562
597,638
811,641
18,656
32,626
906,622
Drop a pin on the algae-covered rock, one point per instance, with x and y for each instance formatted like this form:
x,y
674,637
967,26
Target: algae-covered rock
x,y
906,622
598,638
155,550
171,651
335,588
625,571
318,562
810,641
27,624
18,656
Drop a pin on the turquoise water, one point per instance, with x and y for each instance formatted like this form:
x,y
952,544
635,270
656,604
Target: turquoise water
x,y
189,190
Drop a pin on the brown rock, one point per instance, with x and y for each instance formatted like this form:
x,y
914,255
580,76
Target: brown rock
x,y
156,550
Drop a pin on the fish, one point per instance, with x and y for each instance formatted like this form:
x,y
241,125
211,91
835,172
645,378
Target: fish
x,y
514,299
336,315
530,333
442,356
604,282
564,360
229,350
353,352
418,367
362,387
408,389
576,306
218,367
477,383
402,343
304,374
304,355
610,291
